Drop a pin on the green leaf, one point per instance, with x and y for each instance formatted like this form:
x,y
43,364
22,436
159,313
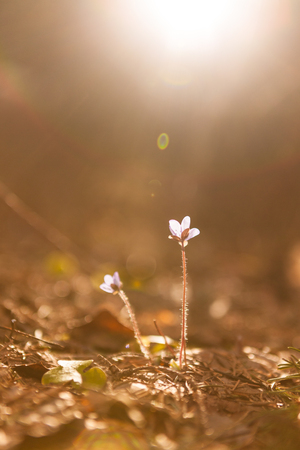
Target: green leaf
x,y
115,436
174,365
62,375
77,365
74,371
94,378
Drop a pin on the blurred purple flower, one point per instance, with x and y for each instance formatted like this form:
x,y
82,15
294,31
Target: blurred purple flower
x,y
112,284
181,232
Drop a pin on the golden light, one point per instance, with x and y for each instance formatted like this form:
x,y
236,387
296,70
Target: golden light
x,y
173,42
186,24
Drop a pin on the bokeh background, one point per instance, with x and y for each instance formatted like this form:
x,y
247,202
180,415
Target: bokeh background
x,y
86,89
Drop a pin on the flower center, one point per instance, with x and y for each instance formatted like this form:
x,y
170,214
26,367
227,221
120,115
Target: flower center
x,y
185,234
114,287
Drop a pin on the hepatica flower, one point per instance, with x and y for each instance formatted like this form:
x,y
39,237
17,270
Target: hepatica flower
x,y
182,232
112,284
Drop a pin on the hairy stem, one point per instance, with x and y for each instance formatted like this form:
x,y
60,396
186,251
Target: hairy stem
x,y
182,353
136,330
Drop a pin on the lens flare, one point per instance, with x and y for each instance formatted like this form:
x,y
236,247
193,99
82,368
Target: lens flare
x,y
163,141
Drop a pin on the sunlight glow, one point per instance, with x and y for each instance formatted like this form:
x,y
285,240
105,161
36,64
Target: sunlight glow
x,y
188,23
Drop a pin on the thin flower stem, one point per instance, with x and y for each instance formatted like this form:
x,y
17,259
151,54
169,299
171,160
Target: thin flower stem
x,y
165,339
136,330
182,353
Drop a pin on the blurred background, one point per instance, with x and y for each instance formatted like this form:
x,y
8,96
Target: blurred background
x,y
117,116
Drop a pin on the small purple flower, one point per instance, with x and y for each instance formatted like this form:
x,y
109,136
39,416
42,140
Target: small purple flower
x,y
112,284
181,232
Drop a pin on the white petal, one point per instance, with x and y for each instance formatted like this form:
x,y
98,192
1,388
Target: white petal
x,y
116,279
193,232
186,223
175,228
105,287
108,279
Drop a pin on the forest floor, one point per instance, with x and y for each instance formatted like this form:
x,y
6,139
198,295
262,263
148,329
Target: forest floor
x,y
225,398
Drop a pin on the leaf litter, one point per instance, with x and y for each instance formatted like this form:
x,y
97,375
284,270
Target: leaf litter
x,y
221,400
